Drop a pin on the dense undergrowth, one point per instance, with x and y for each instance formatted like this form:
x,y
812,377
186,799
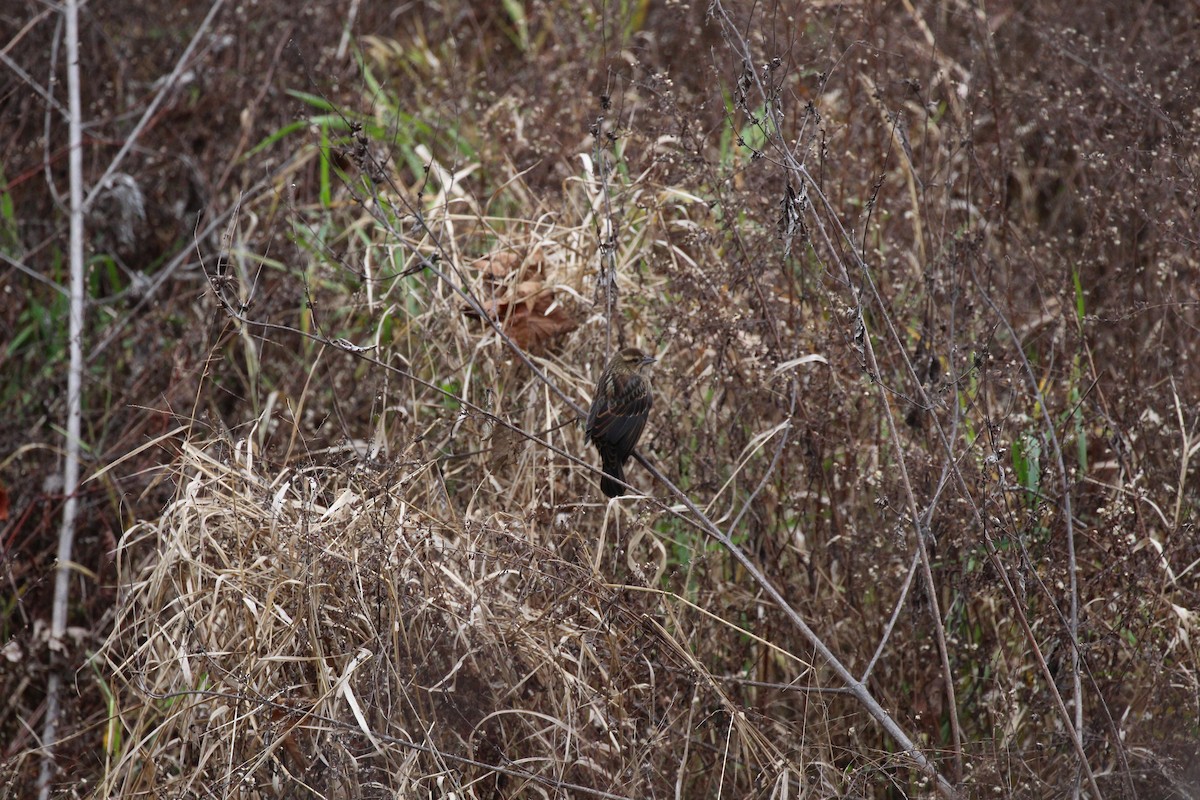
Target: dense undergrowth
x,y
922,282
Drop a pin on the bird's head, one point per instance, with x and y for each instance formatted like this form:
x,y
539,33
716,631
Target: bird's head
x,y
633,359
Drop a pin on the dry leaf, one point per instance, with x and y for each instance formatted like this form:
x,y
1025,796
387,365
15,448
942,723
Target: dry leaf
x,y
522,301
524,313
497,265
532,328
501,264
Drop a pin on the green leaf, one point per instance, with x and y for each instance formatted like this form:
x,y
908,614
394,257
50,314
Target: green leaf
x,y
314,100
1079,299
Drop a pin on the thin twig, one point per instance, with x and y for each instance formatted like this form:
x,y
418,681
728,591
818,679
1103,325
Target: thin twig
x,y
887,630
167,88
66,533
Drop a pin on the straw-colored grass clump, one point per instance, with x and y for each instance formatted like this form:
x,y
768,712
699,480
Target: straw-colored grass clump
x,y
319,629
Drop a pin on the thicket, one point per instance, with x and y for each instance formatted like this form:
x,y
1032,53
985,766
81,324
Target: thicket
x,y
922,282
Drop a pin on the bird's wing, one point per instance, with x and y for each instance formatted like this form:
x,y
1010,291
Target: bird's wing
x,y
618,416
598,406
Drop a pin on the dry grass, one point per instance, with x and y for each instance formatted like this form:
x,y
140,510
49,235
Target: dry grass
x,y
446,602
347,634
924,296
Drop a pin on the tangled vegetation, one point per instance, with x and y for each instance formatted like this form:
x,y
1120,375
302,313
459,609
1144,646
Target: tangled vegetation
x,y
920,482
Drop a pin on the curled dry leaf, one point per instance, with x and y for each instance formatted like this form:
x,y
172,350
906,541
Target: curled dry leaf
x,y
502,264
521,301
528,314
497,265
503,446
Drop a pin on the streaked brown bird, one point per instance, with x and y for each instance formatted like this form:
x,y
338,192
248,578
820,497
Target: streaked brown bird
x,y
619,410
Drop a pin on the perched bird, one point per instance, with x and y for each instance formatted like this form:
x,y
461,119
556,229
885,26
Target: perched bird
x,y
618,414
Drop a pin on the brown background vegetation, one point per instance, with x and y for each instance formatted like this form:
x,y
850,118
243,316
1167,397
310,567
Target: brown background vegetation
x,y
996,250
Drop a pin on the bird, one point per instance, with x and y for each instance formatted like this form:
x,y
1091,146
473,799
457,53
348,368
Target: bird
x,y
618,414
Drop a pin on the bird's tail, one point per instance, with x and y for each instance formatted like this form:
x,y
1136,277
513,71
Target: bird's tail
x,y
613,472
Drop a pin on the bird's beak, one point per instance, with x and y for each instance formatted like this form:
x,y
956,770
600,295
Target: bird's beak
x,y
648,360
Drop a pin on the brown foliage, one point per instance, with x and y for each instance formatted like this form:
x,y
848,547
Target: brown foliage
x,y
529,311
353,578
